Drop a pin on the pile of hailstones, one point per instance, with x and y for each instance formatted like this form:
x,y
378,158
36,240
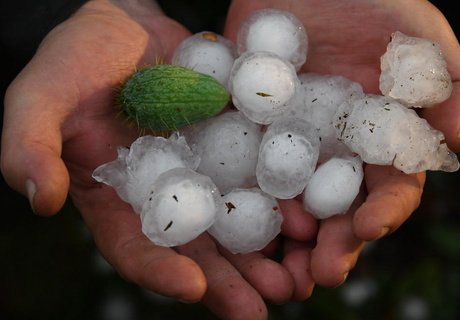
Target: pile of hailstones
x,y
293,134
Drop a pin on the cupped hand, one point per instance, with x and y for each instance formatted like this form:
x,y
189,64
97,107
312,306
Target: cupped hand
x,y
347,38
61,123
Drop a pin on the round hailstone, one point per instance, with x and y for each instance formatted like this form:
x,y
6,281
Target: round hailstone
x,y
414,71
137,167
247,221
333,187
262,85
274,31
317,102
181,205
287,157
384,132
228,146
208,53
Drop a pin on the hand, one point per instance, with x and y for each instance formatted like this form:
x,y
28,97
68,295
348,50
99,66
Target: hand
x,y
347,38
60,124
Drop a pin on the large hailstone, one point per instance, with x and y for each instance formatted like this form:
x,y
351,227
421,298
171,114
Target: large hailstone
x,y
414,71
181,205
287,157
208,53
333,187
384,132
317,101
274,31
247,221
137,167
262,85
228,146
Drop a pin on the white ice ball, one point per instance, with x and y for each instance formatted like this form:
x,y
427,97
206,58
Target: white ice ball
x,y
262,85
287,157
136,168
228,146
275,31
181,205
333,187
247,221
208,53
414,71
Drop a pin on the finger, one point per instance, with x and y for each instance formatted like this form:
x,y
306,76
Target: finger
x,y
297,224
297,261
229,296
336,251
393,196
30,159
117,232
273,282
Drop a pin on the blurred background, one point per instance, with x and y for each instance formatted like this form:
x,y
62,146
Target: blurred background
x,y
50,268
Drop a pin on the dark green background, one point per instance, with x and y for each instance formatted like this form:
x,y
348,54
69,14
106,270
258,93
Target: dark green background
x,y
50,268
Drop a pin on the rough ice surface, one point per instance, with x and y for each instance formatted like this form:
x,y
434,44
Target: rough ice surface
x,y
384,132
274,31
414,71
208,53
137,167
228,146
333,187
262,84
247,221
287,158
181,205
317,101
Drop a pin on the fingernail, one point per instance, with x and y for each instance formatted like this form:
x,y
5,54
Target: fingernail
x,y
384,232
31,189
345,276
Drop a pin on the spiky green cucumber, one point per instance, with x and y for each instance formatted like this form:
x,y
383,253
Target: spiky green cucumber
x,y
167,97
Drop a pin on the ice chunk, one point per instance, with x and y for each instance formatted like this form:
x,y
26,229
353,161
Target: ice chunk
x,y
317,102
287,158
208,53
228,146
247,221
414,71
181,205
136,168
383,131
274,31
262,85
333,187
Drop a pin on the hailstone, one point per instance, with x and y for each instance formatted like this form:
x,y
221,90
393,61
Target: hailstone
x,y
181,205
247,221
384,132
137,167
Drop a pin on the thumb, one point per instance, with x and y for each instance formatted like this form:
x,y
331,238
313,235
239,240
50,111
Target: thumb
x,y
31,144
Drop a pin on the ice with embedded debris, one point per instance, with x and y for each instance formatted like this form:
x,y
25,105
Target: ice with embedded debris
x,y
384,132
181,204
137,167
287,157
317,101
247,221
262,85
414,72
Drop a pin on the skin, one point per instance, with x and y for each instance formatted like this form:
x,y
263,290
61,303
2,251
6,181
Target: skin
x,y
60,124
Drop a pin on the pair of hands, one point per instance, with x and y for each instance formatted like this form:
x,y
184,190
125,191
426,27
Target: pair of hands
x,y
60,124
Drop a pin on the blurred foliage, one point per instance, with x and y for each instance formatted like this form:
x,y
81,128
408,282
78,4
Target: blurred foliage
x,y
50,268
